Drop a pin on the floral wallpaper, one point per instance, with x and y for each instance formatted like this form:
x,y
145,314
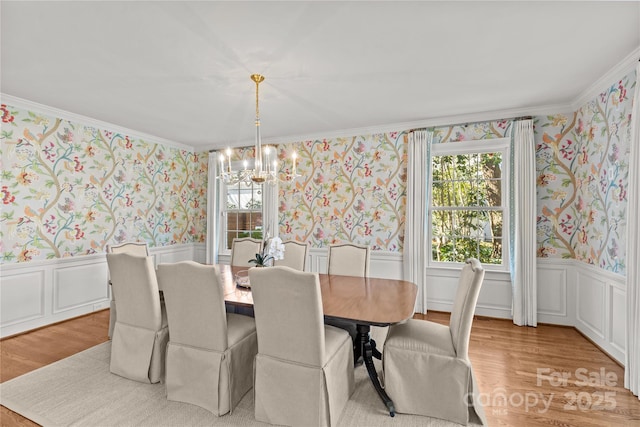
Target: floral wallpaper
x,y
582,165
351,190
472,131
354,189
70,189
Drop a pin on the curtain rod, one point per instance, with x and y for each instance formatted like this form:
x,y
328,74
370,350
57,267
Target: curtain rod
x,y
465,124
452,124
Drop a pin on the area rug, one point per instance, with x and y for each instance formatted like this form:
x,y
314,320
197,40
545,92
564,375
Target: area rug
x,y
80,391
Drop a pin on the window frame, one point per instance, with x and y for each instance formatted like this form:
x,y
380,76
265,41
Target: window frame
x,y
224,211
477,146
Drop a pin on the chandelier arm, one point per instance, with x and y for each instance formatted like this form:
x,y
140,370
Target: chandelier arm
x,y
260,173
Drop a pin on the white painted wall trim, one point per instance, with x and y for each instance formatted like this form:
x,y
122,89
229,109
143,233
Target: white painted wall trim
x,y
591,92
39,293
494,299
14,101
570,292
623,67
577,294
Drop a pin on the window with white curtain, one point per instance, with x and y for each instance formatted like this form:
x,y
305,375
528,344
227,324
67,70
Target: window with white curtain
x,y
469,202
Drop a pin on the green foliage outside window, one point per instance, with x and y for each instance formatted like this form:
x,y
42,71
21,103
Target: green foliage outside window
x,y
253,234
466,207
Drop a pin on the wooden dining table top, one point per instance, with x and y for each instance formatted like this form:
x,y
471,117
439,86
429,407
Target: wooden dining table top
x,y
366,300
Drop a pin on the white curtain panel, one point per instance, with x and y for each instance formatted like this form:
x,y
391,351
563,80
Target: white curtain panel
x,y
212,209
414,257
270,210
522,226
632,355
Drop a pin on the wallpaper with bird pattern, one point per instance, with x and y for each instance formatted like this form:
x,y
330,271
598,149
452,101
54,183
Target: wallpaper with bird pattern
x,y
583,169
70,189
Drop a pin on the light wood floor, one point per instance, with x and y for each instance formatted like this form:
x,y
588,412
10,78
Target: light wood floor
x,y
528,377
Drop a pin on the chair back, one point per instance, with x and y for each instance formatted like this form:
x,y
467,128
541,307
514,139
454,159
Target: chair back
x,y
244,249
135,287
133,248
288,310
295,255
464,306
349,259
194,300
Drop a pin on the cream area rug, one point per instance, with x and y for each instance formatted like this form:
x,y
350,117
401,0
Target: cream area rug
x,y
80,391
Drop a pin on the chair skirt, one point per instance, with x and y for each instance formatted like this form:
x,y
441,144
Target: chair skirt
x,y
432,385
213,380
112,318
292,394
138,353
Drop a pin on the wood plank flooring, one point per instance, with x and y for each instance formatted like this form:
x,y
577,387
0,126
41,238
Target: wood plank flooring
x,y
528,377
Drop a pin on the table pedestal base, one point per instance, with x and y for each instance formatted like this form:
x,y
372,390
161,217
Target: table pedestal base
x,y
366,348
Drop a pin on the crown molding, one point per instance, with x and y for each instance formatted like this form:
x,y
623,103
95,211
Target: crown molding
x,y
89,121
623,67
406,126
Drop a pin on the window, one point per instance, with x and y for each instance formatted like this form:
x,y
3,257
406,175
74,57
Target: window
x,y
469,201
243,212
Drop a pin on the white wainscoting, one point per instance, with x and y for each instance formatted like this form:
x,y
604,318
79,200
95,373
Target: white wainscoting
x,y
387,265
591,299
570,293
494,299
39,293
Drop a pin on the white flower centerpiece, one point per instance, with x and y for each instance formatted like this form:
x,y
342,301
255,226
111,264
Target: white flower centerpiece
x,y
272,249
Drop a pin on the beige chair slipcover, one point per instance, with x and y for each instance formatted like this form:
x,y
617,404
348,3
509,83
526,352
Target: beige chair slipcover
x,y
348,259
295,255
303,373
244,249
140,334
133,248
426,365
210,352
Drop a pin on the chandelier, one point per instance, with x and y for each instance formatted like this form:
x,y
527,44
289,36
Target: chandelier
x,y
265,167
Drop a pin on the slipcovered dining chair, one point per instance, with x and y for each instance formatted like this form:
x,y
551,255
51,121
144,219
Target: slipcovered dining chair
x,y
303,373
133,248
295,255
244,249
210,352
348,259
426,365
140,334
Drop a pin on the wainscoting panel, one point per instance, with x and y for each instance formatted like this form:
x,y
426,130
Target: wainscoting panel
x,y
556,293
600,308
617,319
494,299
441,289
39,293
22,297
167,255
570,293
590,310
200,252
319,260
79,285
386,265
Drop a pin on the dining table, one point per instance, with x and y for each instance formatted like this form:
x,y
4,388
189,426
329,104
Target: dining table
x,y
365,301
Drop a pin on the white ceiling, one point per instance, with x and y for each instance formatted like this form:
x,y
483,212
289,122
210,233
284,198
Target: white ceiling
x,y
180,70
